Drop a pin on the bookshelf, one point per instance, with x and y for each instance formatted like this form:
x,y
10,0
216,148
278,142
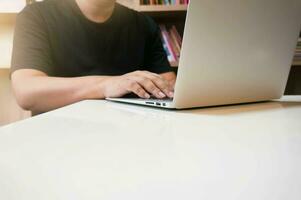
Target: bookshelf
x,y
297,63
161,8
136,5
297,58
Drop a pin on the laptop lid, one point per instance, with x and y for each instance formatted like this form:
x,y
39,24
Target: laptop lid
x,y
236,51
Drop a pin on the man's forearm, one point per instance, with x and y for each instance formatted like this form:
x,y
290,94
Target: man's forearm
x,y
40,93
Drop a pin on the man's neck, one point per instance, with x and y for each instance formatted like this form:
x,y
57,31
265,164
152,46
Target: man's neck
x,y
97,10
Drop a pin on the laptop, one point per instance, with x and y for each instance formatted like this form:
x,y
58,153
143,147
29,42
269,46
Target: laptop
x,y
233,52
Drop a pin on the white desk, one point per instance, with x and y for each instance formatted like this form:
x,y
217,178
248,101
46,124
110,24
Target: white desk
x,y
97,150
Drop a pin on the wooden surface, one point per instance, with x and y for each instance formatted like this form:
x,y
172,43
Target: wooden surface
x,y
9,109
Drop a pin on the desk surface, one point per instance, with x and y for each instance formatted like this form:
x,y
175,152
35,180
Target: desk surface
x,y
102,150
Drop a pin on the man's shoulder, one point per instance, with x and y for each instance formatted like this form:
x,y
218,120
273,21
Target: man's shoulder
x,y
34,7
39,8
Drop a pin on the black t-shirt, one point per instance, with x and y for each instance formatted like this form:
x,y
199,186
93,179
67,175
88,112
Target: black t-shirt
x,y
55,37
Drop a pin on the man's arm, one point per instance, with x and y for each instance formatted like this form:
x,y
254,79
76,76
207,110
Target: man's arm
x,y
36,91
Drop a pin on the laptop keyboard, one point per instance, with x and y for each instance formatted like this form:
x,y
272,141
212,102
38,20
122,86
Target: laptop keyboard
x,y
159,100
152,99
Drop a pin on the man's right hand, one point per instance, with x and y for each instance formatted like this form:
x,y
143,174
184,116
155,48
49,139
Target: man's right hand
x,y
142,83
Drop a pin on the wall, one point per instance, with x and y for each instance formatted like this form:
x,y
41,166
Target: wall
x,y
9,109
7,22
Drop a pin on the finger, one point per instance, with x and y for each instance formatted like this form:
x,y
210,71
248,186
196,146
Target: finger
x,y
161,83
149,86
137,89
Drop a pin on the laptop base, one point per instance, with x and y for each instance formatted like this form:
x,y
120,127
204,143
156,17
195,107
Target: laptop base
x,y
161,103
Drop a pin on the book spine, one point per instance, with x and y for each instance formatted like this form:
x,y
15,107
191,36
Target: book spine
x,y
177,35
175,43
166,40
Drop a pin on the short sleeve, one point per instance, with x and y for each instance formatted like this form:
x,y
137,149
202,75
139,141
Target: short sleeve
x,y
31,47
155,59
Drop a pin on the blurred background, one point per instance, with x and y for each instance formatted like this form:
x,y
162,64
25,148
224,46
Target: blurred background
x,y
169,14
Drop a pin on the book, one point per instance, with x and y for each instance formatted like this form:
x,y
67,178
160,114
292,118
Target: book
x,y
172,42
167,45
297,57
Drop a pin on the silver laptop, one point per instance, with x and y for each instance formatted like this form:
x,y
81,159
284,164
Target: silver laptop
x,y
233,52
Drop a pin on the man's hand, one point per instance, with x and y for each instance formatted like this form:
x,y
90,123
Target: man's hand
x,y
142,83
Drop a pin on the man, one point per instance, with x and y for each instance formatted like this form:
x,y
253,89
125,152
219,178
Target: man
x,y
66,51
